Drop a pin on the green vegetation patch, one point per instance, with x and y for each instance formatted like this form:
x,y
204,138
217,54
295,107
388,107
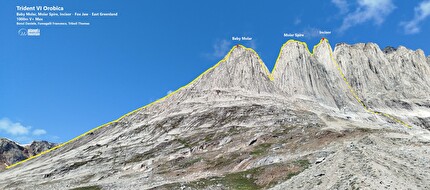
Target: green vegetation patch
x,y
257,178
303,163
238,181
261,149
242,180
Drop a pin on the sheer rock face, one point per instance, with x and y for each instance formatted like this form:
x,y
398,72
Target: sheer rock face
x,y
298,73
11,152
382,77
296,128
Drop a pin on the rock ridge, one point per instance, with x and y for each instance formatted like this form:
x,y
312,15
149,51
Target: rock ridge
x,y
295,127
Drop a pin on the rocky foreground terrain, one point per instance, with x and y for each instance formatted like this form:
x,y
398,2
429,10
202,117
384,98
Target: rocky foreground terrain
x,y
357,117
11,152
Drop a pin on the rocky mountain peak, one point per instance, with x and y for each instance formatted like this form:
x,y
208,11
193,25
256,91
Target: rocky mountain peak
x,y
372,47
7,145
293,48
393,73
302,74
323,53
301,127
421,53
11,152
368,47
404,51
242,69
38,146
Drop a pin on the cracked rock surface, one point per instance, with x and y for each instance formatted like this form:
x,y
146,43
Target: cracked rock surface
x,y
236,128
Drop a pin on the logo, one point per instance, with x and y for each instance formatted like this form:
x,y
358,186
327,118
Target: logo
x,y
22,32
29,32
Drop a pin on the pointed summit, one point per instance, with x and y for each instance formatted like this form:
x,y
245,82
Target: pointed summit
x,y
322,52
292,59
242,69
298,73
235,118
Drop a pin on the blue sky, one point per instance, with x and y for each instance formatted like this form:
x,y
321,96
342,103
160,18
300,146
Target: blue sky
x,y
72,79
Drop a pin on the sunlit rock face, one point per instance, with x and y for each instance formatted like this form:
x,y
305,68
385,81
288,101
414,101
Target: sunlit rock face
x,y
240,126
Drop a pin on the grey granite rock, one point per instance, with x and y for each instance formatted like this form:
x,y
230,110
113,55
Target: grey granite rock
x,y
235,127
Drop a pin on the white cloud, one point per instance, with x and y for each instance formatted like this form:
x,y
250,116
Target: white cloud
x,y
169,92
38,132
422,11
17,131
342,5
9,127
368,10
220,48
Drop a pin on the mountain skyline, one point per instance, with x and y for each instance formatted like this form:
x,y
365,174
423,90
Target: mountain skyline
x,y
346,98
237,125
86,75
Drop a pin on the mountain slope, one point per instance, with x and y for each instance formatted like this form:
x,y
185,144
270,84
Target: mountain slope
x,y
237,125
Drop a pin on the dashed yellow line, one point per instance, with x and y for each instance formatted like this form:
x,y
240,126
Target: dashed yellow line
x,y
134,111
269,75
351,89
358,98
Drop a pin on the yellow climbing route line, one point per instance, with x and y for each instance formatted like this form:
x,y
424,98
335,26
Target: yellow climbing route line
x,y
134,111
269,75
358,98
351,89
